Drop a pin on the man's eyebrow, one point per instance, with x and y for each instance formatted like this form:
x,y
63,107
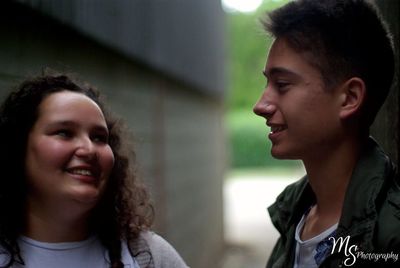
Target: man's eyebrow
x,y
278,71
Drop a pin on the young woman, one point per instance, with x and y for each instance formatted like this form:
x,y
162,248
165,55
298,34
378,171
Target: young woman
x,y
68,193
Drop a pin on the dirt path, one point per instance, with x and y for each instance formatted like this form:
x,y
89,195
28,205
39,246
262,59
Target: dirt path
x,y
249,233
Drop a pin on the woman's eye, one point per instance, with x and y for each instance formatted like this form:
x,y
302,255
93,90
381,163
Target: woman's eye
x,y
63,133
100,138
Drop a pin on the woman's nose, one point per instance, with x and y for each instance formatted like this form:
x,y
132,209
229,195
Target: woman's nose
x,y
85,148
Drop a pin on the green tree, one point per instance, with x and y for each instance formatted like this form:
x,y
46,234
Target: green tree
x,y
248,46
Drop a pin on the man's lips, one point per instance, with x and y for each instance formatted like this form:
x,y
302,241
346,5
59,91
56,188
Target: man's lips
x,y
276,128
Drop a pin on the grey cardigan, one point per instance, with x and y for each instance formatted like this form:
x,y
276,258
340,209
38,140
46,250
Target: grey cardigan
x,y
152,251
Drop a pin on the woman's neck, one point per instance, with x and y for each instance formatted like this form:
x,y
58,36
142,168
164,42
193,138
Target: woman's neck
x,y
50,224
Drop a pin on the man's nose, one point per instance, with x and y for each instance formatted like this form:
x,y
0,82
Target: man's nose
x,y
264,107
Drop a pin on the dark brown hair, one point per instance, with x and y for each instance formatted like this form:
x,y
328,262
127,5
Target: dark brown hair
x,y
344,39
124,209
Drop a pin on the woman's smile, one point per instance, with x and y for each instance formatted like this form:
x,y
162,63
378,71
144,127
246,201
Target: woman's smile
x,y
86,174
68,156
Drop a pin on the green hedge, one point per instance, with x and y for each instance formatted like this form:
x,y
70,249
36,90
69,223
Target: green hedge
x,y
248,47
249,143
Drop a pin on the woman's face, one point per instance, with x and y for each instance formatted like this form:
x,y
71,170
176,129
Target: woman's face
x,y
68,158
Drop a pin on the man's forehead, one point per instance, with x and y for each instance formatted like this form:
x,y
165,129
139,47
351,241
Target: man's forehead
x,y
284,59
281,58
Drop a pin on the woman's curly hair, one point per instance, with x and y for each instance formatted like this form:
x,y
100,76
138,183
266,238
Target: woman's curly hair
x,y
123,211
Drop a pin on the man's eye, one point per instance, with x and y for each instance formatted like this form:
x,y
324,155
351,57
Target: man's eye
x,y
282,85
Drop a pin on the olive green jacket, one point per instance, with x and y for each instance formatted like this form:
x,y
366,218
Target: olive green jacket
x,y
370,215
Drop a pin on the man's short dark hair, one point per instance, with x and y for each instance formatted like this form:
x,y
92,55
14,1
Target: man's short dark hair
x,y
343,39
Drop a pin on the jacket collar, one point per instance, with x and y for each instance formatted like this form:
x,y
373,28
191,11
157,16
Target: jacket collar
x,y
365,192
361,197
291,204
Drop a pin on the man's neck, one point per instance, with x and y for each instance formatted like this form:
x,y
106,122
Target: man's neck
x,y
329,175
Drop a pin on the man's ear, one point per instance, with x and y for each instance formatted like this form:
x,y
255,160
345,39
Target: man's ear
x,y
352,96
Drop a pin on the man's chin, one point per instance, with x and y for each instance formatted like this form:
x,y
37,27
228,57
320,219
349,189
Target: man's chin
x,y
282,155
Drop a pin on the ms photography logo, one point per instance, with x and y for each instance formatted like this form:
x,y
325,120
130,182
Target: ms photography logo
x,y
352,253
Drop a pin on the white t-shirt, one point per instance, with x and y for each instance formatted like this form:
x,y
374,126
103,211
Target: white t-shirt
x,y
307,250
87,253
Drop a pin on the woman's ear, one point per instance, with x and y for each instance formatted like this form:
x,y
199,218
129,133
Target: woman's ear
x,y
352,96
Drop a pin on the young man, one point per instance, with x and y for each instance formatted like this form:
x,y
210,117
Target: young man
x,y
329,70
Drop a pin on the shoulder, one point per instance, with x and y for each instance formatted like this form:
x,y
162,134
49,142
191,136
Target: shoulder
x,y
164,255
293,191
291,195
4,257
290,205
387,234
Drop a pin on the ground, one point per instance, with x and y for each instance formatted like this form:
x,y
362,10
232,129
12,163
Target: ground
x,y
249,233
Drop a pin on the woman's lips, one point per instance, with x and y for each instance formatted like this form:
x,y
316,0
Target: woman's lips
x,y
85,174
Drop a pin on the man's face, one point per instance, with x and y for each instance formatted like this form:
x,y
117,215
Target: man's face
x,y
302,114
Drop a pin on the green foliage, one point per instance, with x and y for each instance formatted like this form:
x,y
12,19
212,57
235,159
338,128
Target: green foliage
x,y
248,46
250,146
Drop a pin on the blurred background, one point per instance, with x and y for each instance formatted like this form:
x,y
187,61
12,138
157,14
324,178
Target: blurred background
x,y
184,75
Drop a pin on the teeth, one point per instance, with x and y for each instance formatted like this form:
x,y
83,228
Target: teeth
x,y
277,128
84,172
